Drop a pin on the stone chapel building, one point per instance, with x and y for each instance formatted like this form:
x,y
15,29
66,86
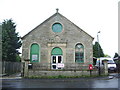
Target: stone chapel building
x,y
58,43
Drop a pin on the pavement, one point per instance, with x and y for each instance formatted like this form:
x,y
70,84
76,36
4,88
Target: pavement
x,y
105,83
112,75
15,81
13,76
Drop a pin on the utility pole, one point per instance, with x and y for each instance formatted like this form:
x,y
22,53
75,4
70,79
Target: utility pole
x,y
98,53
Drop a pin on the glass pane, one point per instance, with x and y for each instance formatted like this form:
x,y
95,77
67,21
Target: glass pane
x,y
59,59
54,59
57,27
54,66
79,53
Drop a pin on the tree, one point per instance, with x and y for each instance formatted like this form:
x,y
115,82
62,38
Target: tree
x,y
106,55
97,50
10,41
116,55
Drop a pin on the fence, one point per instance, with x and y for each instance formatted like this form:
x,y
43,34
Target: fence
x,y
11,67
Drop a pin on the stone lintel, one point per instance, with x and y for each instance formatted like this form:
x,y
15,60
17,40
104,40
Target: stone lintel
x,y
60,44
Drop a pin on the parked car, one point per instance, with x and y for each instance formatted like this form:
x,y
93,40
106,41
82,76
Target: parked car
x,y
111,63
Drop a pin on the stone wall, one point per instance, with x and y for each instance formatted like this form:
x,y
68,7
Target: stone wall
x,y
67,66
57,73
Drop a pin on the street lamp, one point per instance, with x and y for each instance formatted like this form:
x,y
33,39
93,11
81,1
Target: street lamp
x,y
98,52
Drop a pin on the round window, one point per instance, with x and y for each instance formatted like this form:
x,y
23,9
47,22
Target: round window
x,y
57,27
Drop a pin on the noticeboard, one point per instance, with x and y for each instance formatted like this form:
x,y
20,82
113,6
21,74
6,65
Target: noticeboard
x,y
34,57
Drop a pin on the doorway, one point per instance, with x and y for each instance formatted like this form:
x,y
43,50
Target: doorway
x,y
57,58
57,62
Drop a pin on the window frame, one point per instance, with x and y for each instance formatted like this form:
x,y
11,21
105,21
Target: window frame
x,y
59,31
79,53
35,53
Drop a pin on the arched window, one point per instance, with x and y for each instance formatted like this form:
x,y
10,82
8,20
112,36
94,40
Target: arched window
x,y
79,53
34,53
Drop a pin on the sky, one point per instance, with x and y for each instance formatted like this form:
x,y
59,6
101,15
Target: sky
x,y
90,15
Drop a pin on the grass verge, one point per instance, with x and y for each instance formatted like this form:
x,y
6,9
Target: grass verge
x,y
61,77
